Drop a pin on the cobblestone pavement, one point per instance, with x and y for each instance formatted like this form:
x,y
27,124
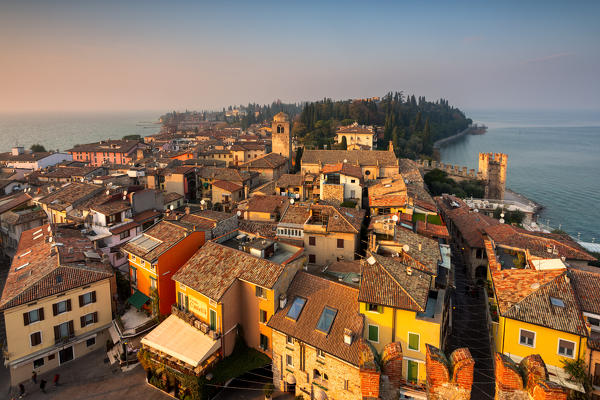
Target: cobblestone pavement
x,y
90,378
470,330
250,387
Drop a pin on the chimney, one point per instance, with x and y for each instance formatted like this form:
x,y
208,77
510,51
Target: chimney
x,y
409,271
347,336
187,210
282,301
420,246
18,150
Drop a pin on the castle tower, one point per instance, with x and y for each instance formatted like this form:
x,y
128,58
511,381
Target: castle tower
x,y
492,169
281,136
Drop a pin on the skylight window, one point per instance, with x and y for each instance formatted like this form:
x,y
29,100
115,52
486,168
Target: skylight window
x,y
296,308
21,266
326,320
557,302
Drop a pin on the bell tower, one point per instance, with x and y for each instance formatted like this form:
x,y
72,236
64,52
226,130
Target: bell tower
x,y
281,136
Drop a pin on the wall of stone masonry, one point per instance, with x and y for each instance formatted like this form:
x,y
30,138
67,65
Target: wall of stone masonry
x,y
449,378
334,193
338,371
532,385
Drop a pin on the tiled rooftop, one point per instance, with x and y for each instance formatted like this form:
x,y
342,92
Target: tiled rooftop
x,y
357,157
162,236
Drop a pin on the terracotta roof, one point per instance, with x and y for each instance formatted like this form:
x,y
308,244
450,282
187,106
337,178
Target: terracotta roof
x,y
265,204
214,268
38,264
125,227
264,229
339,219
524,295
112,207
388,192
428,255
146,216
387,282
162,235
410,171
432,229
287,180
10,202
25,157
355,128
538,243
320,293
70,194
344,169
266,189
587,288
24,216
271,160
357,157
171,197
112,146
228,186
226,174
472,225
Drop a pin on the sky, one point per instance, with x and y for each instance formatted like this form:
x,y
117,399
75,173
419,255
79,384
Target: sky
x,y
176,55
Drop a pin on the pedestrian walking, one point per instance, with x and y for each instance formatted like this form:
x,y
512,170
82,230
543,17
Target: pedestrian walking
x,y
34,377
43,385
56,378
21,390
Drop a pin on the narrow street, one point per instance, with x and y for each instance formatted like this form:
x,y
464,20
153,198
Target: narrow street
x,y
470,330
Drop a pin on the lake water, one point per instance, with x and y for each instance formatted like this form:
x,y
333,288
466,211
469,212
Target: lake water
x,y
553,159
64,130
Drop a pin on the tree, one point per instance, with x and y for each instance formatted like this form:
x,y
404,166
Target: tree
x,y
344,144
577,373
132,137
37,148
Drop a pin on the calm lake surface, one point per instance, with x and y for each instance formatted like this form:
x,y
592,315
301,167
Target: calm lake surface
x,y
553,159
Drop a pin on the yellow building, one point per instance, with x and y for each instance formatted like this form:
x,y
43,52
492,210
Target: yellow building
x,y
223,291
399,307
57,301
538,313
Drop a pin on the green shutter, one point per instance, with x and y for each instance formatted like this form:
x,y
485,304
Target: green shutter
x,y
373,333
413,341
413,371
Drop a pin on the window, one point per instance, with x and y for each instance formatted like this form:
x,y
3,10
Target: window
x,y
61,307
289,361
35,338
527,338
413,341
124,234
260,292
352,180
152,283
320,353
596,379
479,253
413,371
316,374
64,331
367,172
289,339
374,333
33,316
566,348
375,308
90,342
312,259
312,241
87,298
296,308
38,363
264,342
182,301
326,320
262,316
594,321
88,319
557,302
133,276
340,243
346,384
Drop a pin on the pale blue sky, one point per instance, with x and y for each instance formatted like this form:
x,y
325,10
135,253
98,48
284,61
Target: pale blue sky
x,y
72,55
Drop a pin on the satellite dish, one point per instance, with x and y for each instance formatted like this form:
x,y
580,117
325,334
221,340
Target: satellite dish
x,y
371,260
291,201
476,210
239,213
202,202
501,220
501,215
171,207
108,192
406,248
395,218
345,160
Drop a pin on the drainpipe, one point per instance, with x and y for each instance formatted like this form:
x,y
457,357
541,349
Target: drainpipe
x,y
393,325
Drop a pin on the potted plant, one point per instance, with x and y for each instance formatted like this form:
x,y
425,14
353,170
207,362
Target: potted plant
x,y
268,389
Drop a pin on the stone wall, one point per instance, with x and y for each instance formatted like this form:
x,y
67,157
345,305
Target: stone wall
x,y
527,380
449,378
333,193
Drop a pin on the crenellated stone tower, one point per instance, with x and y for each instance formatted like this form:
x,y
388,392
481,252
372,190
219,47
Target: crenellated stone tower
x,y
281,136
492,168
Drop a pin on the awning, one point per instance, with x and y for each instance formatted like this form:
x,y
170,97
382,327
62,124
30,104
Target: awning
x,y
179,339
138,299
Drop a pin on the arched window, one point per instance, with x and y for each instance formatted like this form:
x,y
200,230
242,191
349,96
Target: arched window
x,y
316,374
325,377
